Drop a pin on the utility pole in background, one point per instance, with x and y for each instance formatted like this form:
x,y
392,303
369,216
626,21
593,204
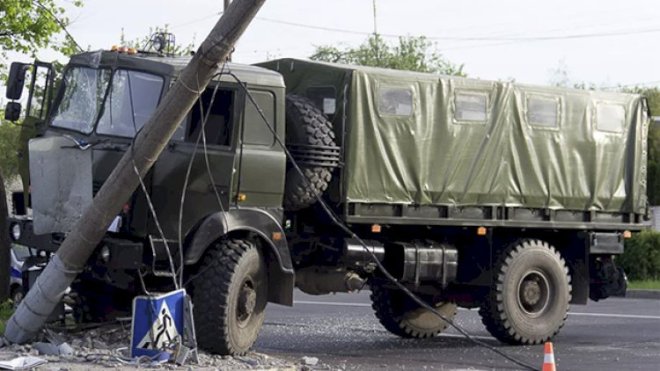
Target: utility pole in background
x,y
80,243
376,36
224,9
375,23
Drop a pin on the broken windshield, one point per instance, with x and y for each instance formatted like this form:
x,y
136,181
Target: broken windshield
x,y
84,89
130,101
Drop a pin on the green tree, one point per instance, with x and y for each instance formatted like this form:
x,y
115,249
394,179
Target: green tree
x,y
8,139
653,167
27,26
410,53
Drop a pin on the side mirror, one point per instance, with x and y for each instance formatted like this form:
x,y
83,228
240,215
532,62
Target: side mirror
x,y
12,111
16,80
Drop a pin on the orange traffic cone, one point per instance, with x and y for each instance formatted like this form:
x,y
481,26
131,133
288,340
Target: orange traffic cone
x,y
549,358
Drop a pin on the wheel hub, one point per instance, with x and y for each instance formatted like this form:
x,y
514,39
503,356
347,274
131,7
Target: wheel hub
x,y
533,293
247,301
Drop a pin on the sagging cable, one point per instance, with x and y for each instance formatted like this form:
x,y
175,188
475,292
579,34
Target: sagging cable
x,y
200,137
335,220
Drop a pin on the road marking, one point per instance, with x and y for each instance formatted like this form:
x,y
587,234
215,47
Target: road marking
x,y
610,315
478,337
613,315
331,303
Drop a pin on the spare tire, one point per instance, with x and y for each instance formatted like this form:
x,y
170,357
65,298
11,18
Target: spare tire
x,y
306,126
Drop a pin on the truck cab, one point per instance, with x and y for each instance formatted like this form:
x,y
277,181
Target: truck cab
x,y
222,173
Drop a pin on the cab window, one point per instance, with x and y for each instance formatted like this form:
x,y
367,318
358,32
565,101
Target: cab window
x,y
132,99
219,126
256,132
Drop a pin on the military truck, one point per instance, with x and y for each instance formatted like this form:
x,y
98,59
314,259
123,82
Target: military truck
x,y
511,198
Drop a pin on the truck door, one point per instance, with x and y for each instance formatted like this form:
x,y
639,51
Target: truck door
x,y
41,86
131,99
261,159
207,182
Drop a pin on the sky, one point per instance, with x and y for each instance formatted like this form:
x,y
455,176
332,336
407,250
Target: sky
x,y
606,42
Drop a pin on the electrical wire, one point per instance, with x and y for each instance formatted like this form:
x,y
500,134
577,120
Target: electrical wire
x,y
201,136
335,220
471,38
60,23
142,185
490,37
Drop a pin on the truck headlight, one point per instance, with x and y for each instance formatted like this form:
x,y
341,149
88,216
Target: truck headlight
x,y
16,231
105,253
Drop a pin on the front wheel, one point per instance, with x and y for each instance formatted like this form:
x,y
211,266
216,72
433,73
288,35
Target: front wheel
x,y
528,301
229,296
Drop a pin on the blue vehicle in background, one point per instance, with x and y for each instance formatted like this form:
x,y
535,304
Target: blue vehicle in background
x,y
19,253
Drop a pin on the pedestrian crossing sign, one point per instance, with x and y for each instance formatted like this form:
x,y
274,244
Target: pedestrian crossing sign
x,y
157,323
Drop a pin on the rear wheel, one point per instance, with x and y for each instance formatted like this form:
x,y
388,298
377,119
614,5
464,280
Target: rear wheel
x,y
530,296
405,318
229,295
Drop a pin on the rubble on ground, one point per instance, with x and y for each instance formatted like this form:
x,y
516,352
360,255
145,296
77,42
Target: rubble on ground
x,y
108,346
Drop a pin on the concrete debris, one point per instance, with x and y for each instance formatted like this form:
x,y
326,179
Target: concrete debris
x,y
22,363
47,349
310,361
50,349
65,350
108,347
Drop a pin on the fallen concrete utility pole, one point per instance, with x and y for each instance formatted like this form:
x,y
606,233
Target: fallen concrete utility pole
x,y
74,252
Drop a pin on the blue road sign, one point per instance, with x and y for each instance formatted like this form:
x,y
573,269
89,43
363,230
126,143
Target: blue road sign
x,y
157,323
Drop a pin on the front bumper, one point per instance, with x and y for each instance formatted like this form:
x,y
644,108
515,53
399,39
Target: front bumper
x,y
112,252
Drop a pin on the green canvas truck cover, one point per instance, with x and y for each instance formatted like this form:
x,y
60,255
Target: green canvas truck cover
x,y
427,139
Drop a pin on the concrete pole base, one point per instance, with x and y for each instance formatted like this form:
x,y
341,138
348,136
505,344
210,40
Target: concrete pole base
x,y
40,302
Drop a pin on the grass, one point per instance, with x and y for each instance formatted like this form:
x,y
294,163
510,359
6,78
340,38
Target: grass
x,y
6,310
645,285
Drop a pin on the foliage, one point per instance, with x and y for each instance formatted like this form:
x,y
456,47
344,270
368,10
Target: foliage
x,y
9,134
641,258
29,25
6,310
411,53
644,285
653,168
560,77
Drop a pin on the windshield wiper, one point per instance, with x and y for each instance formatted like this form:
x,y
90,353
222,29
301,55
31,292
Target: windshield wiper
x,y
83,144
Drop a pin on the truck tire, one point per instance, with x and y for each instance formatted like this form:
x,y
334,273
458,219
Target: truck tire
x,y
529,298
403,317
16,296
306,125
96,301
229,295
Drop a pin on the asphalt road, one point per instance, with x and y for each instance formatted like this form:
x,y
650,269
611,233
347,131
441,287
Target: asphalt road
x,y
341,330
